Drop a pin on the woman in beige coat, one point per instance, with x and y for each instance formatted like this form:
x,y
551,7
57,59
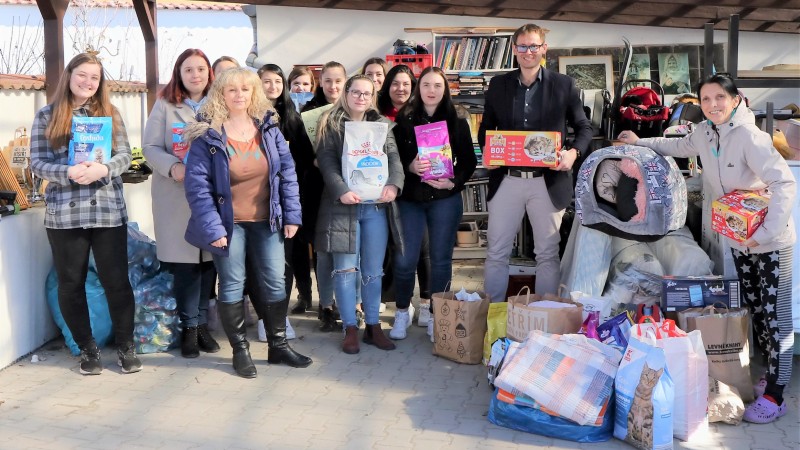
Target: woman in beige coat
x,y
165,150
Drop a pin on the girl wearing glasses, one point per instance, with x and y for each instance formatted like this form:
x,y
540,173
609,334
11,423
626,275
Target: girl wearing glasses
x,y
291,126
434,205
739,156
242,189
346,227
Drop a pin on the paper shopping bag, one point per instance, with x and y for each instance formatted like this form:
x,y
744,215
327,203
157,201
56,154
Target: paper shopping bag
x,y
525,316
724,333
459,327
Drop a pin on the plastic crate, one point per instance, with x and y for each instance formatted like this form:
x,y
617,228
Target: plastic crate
x,y
417,63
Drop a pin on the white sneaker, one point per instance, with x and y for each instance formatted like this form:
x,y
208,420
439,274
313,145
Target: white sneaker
x,y
402,321
424,314
262,333
430,326
382,308
290,334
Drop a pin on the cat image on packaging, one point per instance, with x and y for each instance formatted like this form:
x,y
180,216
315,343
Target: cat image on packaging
x,y
365,166
91,140
433,144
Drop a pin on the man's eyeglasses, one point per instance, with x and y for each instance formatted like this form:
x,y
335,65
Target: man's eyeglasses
x,y
524,48
359,94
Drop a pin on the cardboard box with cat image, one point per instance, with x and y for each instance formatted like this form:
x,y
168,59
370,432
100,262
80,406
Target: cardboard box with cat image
x,y
738,214
522,148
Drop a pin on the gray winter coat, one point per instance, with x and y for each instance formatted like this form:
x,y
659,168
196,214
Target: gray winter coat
x,y
336,225
170,208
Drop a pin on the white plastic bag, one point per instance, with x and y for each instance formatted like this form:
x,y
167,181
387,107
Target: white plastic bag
x,y
645,396
365,166
680,255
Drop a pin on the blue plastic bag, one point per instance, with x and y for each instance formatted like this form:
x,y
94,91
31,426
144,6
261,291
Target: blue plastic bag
x,y
535,421
99,317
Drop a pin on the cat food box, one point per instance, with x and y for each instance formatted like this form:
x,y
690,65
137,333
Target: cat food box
x,y
433,144
92,138
679,293
738,214
522,148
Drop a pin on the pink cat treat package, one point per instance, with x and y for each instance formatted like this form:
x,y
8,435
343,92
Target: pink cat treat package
x,y
522,148
433,145
365,166
179,147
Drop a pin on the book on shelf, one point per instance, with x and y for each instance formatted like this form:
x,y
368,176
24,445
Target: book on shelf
x,y
457,53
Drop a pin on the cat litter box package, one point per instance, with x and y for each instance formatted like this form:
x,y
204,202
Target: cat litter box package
x,y
365,166
738,215
433,144
92,138
522,148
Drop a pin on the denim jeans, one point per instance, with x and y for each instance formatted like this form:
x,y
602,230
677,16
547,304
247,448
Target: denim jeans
x,y
256,250
441,218
372,234
70,249
192,288
325,280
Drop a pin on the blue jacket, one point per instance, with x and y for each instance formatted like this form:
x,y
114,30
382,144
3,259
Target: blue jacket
x,y
208,184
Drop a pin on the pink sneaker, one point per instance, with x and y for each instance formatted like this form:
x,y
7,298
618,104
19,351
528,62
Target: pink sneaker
x,y
760,387
764,411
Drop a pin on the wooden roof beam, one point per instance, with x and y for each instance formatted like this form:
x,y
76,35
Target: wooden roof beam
x,y
53,21
146,13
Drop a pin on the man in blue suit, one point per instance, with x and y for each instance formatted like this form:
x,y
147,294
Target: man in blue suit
x,y
536,99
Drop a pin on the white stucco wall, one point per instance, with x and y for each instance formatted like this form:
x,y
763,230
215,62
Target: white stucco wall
x,y
288,36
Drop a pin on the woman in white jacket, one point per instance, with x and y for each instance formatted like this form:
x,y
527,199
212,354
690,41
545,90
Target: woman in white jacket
x,y
736,155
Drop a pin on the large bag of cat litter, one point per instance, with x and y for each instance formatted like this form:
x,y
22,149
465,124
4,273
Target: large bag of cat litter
x,y
365,165
630,192
645,396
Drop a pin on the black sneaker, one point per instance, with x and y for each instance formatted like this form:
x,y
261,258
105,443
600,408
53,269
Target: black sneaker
x,y
90,360
126,358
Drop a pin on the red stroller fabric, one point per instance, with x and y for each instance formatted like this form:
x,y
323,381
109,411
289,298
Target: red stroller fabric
x,y
643,113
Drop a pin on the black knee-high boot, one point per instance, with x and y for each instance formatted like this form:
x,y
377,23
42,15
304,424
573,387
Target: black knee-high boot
x,y
275,325
232,317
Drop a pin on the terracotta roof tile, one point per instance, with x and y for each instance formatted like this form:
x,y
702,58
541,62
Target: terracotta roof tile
x,y
167,4
36,83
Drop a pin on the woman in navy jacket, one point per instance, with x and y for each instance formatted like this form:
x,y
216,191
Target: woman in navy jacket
x,y
242,189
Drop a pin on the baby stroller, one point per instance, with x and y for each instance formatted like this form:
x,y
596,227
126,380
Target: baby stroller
x,y
642,111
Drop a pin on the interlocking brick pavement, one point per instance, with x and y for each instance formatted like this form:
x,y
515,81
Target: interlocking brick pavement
x,y
403,399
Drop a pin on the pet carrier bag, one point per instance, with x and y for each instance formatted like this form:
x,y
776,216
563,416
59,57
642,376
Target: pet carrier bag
x,y
630,192
642,110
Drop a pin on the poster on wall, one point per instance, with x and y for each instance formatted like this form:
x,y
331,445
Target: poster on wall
x,y
673,73
639,70
589,72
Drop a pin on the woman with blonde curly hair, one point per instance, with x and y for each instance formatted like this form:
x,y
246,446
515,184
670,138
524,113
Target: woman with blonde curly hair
x,y
242,190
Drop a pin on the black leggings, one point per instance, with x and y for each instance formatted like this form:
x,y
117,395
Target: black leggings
x,y
70,249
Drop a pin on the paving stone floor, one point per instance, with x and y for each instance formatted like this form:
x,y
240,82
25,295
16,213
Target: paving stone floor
x,y
403,399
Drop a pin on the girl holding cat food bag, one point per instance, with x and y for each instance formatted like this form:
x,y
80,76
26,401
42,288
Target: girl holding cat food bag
x,y
85,207
363,174
435,147
739,156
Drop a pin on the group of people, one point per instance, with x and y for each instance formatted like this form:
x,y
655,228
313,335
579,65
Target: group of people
x,y
241,192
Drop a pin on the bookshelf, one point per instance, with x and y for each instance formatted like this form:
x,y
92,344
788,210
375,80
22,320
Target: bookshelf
x,y
484,52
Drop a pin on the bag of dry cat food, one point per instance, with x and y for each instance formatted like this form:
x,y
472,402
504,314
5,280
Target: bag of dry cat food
x,y
365,165
645,396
